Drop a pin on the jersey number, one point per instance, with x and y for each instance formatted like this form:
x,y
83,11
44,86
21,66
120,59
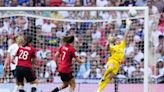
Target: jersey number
x,y
63,56
23,55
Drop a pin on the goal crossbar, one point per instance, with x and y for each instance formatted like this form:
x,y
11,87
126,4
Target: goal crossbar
x,y
70,8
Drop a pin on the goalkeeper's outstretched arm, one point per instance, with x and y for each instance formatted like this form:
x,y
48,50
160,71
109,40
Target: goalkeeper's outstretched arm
x,y
128,23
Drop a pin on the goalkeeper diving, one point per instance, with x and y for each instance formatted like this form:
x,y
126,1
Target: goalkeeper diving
x,y
116,47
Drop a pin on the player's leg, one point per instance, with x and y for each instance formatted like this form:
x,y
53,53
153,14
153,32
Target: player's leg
x,y
14,74
65,77
62,86
20,79
72,85
105,81
110,66
34,85
20,87
109,69
31,77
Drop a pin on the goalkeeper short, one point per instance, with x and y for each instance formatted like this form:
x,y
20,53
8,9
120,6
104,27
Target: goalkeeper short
x,y
116,65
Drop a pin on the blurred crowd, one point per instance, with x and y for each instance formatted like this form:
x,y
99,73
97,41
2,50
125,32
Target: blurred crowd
x,y
90,37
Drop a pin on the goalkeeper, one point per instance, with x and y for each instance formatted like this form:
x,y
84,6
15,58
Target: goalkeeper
x,y
116,47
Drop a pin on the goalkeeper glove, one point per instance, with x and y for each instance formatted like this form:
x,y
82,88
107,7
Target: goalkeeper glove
x,y
128,23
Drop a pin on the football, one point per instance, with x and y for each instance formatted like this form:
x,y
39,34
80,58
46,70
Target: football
x,y
132,13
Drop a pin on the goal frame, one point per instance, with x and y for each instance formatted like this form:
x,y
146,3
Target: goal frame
x,y
146,19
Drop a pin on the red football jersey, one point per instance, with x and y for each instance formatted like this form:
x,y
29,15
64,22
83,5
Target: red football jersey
x,y
25,54
67,52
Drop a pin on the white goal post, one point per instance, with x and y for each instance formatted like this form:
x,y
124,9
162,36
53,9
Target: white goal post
x,y
146,19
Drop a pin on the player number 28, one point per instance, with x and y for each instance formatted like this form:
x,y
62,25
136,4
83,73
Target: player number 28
x,y
23,55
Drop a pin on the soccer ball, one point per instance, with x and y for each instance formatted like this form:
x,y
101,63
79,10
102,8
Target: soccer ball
x,y
132,13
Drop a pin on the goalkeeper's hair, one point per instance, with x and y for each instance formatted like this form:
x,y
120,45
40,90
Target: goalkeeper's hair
x,y
113,40
28,40
68,39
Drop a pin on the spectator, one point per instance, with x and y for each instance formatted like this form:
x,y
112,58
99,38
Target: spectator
x,y
38,31
22,23
51,64
129,3
159,71
47,26
160,47
56,15
41,54
95,33
6,25
60,31
121,76
159,5
39,22
14,3
55,2
128,67
101,3
155,37
53,40
31,3
138,73
161,23
4,38
140,2
46,2
142,65
2,3
130,44
24,4
138,55
70,3
83,67
40,2
20,2
93,72
105,15
12,28
152,9
1,27
90,4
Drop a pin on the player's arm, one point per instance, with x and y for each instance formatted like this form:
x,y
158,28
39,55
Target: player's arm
x,y
7,61
8,57
128,23
78,59
34,59
56,57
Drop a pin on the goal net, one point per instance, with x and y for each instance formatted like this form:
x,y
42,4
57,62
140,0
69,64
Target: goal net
x,y
91,27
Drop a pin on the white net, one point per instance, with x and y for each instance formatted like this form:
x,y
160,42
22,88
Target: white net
x,y
90,29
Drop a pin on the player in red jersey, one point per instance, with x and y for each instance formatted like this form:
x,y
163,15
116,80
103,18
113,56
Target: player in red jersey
x,y
26,56
66,53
